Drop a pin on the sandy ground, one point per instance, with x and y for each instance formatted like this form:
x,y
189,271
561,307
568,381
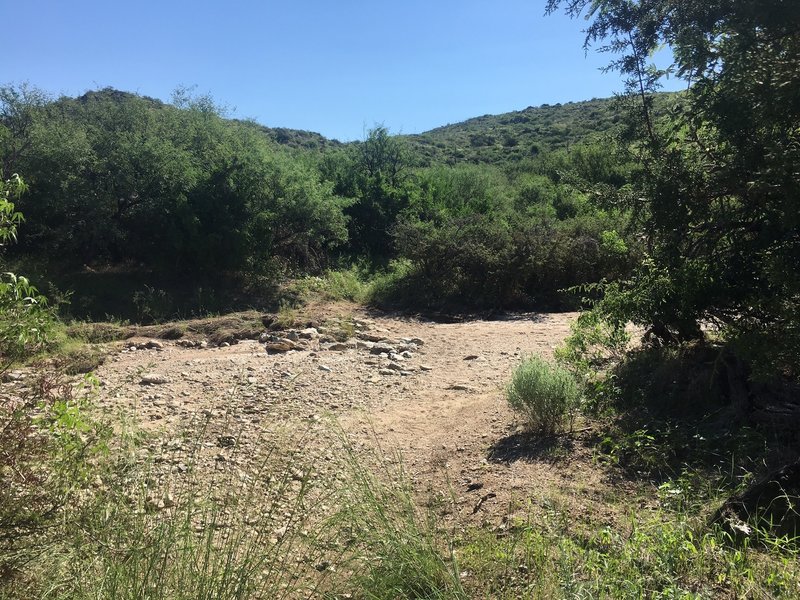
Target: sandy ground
x,y
444,417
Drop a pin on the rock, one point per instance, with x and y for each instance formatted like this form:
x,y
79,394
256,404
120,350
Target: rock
x,y
310,333
293,336
324,368
337,347
224,345
265,337
226,441
13,376
204,344
471,357
459,387
369,337
361,345
154,345
395,367
387,372
426,368
280,346
406,354
381,348
153,379
416,341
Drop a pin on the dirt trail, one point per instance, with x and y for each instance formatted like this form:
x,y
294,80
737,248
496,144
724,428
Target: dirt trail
x,y
446,415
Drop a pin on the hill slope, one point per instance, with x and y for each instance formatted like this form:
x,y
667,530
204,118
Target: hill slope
x,y
516,135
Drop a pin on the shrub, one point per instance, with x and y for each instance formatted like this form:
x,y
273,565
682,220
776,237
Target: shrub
x,y
24,317
545,395
47,447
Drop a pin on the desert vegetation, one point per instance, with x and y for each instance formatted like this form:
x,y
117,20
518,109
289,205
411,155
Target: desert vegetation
x,y
242,362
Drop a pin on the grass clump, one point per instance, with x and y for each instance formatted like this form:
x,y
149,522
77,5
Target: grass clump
x,y
332,286
545,395
398,551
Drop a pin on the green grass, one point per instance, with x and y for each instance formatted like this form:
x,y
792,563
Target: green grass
x,y
654,555
348,285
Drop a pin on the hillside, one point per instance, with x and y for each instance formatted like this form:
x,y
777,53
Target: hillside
x,y
488,139
520,134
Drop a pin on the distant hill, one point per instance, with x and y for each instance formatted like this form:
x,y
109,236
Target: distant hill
x,y
493,139
520,134
296,138
292,138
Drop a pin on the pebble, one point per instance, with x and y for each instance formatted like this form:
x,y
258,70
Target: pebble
x,y
153,379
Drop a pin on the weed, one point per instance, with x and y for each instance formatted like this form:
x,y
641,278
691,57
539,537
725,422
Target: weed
x,y
287,315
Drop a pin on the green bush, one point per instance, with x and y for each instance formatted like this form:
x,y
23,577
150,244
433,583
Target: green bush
x,y
546,395
24,317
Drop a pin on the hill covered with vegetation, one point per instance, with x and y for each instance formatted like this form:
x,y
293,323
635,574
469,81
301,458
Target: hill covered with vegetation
x,y
131,199
518,135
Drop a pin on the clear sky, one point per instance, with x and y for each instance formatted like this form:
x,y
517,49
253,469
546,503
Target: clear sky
x,y
336,66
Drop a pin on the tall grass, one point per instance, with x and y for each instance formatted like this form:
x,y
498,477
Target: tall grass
x,y
401,550
270,528
249,532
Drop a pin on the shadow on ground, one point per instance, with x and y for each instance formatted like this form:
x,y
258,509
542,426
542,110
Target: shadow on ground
x,y
528,447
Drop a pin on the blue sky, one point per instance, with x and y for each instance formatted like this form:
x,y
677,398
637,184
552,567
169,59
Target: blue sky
x,y
335,67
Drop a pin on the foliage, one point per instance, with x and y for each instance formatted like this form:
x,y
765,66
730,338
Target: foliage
x,y
9,217
117,179
715,197
331,286
547,396
47,445
24,320
663,555
24,316
375,173
518,136
135,199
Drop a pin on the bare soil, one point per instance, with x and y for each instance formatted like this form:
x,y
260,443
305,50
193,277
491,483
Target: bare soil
x,y
446,419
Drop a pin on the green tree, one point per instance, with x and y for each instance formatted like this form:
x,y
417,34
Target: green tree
x,y
717,195
381,188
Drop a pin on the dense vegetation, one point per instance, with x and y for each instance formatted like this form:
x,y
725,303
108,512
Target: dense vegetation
x,y
142,209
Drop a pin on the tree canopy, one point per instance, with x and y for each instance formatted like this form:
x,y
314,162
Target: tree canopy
x,y
717,195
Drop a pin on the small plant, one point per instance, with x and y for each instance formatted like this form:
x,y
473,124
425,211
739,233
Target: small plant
x,y
287,315
153,305
25,320
399,550
47,444
546,395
